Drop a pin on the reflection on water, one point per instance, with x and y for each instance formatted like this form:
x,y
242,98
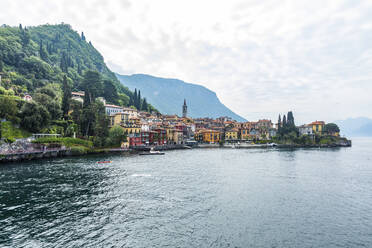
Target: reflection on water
x,y
196,198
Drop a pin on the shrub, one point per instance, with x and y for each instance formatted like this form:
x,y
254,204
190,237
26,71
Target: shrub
x,y
67,141
79,150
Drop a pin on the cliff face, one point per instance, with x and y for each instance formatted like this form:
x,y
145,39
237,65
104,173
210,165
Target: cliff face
x,y
167,95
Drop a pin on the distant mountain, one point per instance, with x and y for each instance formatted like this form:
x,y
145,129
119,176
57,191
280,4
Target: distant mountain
x,y
167,95
359,127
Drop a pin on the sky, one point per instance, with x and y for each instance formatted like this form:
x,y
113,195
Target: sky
x,y
261,57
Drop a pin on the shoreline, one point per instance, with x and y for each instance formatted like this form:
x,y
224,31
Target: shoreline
x,y
38,155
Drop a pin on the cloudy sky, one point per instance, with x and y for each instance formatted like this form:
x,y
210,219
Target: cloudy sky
x,y
261,57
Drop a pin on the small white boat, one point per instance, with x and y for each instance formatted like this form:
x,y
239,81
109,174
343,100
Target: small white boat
x,y
152,153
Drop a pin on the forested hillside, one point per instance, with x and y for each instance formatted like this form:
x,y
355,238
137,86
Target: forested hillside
x,y
32,57
48,62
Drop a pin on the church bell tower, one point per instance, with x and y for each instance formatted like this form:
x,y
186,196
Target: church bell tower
x,y
184,109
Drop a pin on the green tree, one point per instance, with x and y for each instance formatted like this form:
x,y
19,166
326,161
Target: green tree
x,y
290,119
135,98
139,100
43,52
1,64
145,107
8,109
34,116
92,85
101,127
66,97
52,105
109,92
25,37
331,128
117,136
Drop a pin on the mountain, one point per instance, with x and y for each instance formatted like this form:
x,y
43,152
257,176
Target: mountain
x,y
33,57
359,127
167,95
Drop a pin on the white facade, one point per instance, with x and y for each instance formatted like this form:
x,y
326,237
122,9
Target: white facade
x,y
305,130
113,109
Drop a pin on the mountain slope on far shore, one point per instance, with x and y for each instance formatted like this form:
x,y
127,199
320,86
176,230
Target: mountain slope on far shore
x,y
357,127
167,95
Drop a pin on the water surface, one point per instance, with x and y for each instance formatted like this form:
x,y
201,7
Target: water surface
x,y
192,198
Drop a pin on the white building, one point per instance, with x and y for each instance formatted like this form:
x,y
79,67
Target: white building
x,y
113,109
305,130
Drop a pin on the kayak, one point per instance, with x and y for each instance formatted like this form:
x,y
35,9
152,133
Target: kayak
x,y
104,162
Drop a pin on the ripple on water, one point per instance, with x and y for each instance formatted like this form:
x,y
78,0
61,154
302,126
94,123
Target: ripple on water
x,y
197,198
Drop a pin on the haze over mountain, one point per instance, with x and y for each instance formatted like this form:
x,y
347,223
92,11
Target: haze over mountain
x,y
167,95
357,127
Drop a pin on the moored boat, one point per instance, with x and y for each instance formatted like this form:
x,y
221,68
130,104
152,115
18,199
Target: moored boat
x,y
152,153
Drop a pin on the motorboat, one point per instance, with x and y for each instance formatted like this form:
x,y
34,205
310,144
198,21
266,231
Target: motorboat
x,y
152,153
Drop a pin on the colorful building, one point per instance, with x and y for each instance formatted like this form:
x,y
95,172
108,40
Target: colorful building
x,y
208,136
317,126
232,134
135,140
121,119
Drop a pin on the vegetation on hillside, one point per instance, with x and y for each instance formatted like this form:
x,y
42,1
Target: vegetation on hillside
x,y
48,62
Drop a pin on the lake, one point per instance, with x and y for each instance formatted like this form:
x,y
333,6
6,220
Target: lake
x,y
192,198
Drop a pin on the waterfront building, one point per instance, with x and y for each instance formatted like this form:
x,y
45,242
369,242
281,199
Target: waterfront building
x,y
208,136
305,130
272,132
317,126
232,134
160,136
244,134
135,140
174,136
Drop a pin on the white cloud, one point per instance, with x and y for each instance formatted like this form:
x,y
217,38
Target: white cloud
x,y
261,57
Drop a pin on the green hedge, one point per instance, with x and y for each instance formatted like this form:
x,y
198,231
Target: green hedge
x,y
67,141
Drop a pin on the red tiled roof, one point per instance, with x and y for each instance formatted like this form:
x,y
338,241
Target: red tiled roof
x,y
317,123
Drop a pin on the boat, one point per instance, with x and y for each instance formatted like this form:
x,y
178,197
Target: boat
x,y
104,162
152,153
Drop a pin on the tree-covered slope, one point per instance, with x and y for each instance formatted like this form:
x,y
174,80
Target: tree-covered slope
x,y
35,56
167,96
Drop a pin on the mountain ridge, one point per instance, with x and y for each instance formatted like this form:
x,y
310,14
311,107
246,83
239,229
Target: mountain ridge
x,y
359,126
201,101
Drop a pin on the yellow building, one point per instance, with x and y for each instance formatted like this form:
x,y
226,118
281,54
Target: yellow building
x,y
119,119
232,134
208,136
132,129
317,126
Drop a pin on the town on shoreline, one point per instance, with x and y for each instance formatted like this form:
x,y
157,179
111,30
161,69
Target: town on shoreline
x,y
142,131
